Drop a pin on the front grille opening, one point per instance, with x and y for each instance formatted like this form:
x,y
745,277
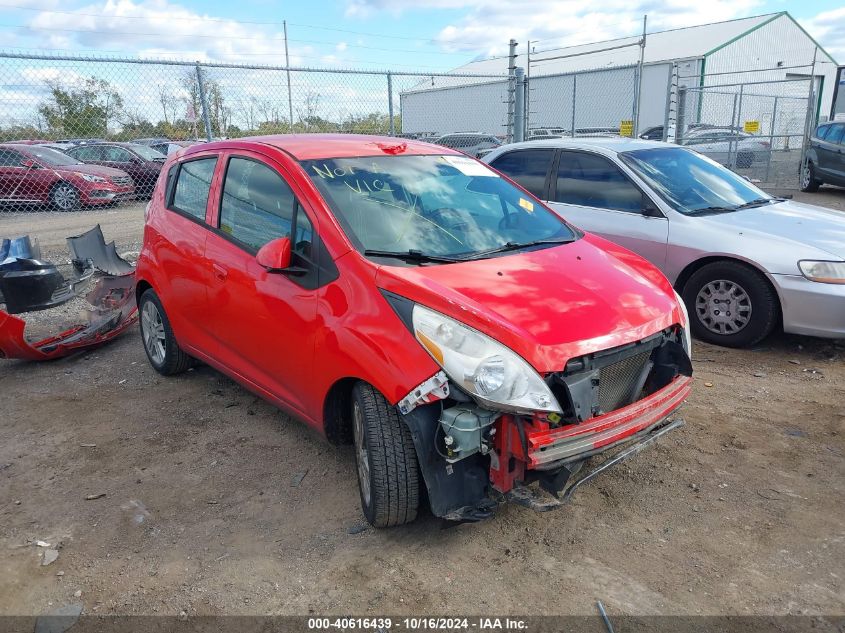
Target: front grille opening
x,y
611,379
621,383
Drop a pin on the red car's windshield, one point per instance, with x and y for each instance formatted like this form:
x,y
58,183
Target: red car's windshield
x,y
439,206
52,157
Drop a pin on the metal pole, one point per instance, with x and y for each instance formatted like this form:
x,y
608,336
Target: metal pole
x,y
639,87
527,91
390,103
810,115
681,115
670,89
574,89
511,87
287,70
733,123
519,107
203,103
771,137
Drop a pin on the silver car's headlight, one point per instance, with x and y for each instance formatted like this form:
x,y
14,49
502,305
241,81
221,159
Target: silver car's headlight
x,y
823,272
494,375
685,325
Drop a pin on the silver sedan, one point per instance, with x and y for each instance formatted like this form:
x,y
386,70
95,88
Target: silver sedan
x,y
743,261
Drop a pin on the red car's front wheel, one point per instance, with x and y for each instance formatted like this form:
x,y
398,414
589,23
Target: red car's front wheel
x,y
388,475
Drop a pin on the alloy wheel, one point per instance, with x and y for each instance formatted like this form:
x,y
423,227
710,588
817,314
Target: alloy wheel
x,y
723,307
361,453
152,331
65,197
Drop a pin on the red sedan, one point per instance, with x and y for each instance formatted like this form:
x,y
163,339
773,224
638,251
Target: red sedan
x,y
30,174
410,300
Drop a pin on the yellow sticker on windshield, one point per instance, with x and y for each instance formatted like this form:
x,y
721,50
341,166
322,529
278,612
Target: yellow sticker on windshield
x,y
525,204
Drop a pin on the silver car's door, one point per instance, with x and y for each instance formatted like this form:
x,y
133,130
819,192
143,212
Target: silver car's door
x,y
594,194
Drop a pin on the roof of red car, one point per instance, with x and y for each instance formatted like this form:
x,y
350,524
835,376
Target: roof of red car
x,y
311,146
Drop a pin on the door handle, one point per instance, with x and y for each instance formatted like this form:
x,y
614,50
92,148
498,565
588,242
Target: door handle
x,y
220,272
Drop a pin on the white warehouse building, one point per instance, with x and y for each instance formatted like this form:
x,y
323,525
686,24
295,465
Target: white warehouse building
x,y
747,72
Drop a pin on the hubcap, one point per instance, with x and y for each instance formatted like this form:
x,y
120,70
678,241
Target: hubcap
x,y
723,307
65,197
805,177
361,454
152,331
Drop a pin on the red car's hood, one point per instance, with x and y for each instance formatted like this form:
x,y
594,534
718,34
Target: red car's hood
x,y
548,305
94,170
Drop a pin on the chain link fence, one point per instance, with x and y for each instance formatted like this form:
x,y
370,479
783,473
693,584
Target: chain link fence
x,y
83,133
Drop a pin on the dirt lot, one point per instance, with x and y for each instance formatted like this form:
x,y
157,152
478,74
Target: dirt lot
x,y
205,508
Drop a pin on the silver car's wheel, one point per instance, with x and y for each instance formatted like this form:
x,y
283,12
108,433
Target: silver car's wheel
x,y
723,306
362,456
152,331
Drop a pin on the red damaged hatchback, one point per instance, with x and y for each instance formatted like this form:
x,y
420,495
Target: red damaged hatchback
x,y
410,300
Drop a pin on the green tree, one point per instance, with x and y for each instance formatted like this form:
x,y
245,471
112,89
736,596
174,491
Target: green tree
x,y
85,109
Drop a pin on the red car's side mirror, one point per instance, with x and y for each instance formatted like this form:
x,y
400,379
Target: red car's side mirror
x,y
29,164
275,255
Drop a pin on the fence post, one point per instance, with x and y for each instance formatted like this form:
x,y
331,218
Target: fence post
x,y
639,82
287,70
671,86
735,121
809,119
574,89
519,107
511,88
771,138
681,115
203,103
390,103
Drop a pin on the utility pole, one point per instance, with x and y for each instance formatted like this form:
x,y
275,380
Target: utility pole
x,y
287,70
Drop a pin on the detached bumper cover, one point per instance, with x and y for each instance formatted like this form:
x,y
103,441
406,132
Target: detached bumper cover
x,y
576,442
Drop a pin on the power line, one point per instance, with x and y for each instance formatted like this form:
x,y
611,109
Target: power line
x,y
223,20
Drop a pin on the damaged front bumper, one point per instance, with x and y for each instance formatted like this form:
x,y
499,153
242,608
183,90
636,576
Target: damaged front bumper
x,y
29,285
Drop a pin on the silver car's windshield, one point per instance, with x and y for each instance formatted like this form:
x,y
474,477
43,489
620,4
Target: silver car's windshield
x,y
692,183
433,208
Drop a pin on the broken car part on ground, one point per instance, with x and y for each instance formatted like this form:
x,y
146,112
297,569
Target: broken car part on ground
x,y
29,285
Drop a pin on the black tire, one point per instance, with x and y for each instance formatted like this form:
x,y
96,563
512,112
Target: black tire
x,y
64,197
389,484
809,182
171,359
715,289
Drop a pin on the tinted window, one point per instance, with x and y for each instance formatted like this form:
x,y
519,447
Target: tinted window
x,y
257,204
193,182
822,131
83,153
527,167
592,181
9,158
116,154
835,134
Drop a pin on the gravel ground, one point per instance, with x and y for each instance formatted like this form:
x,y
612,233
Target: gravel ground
x,y
206,500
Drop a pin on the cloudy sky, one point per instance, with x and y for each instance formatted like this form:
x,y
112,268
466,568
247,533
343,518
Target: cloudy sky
x,y
420,34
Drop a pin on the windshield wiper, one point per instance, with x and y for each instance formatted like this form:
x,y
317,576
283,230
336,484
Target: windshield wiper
x,y
704,210
515,246
413,256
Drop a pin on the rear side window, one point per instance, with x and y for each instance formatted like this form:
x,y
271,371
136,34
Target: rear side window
x,y
10,158
528,167
193,182
835,134
822,131
258,206
593,181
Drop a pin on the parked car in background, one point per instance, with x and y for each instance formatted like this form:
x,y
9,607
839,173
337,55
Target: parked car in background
x,y
728,146
139,161
155,140
31,174
168,147
745,262
405,298
469,143
825,158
